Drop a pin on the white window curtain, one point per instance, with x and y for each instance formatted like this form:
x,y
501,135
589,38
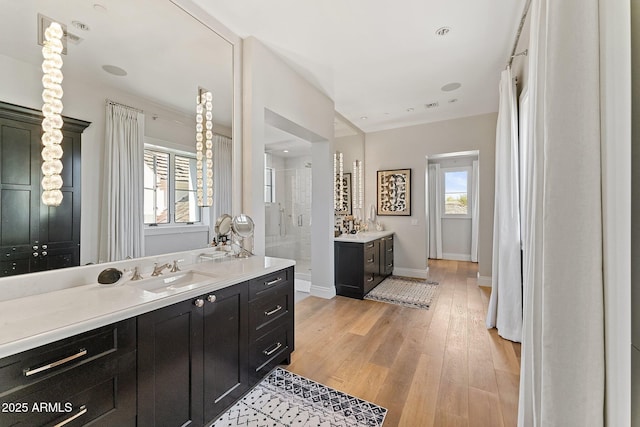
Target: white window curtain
x,y
475,210
562,367
222,175
435,211
122,233
505,304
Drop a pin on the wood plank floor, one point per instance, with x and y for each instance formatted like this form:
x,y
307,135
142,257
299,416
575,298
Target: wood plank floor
x,y
436,367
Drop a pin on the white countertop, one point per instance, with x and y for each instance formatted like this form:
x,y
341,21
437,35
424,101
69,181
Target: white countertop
x,y
35,320
363,237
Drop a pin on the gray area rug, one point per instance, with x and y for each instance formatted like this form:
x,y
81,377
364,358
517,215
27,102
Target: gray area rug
x,y
405,291
284,399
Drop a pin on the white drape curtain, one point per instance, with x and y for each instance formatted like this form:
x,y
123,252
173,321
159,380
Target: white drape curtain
x,y
222,175
123,217
505,304
475,210
562,367
435,211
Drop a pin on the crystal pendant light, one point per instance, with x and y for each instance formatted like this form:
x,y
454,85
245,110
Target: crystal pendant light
x,y
52,110
204,148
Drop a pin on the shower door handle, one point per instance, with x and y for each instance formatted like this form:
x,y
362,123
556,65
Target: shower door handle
x,y
300,220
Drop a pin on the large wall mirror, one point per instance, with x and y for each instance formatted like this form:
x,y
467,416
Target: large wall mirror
x,y
147,54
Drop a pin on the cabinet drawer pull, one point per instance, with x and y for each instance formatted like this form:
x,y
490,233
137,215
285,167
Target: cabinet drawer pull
x,y
29,371
370,246
273,350
274,311
390,250
389,265
370,279
83,410
369,261
273,282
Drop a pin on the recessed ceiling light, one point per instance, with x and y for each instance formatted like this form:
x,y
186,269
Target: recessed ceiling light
x,y
99,7
452,100
80,25
450,87
285,151
364,118
116,71
431,105
409,110
443,31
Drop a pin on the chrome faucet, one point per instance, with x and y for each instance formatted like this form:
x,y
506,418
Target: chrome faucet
x,y
136,274
175,266
157,269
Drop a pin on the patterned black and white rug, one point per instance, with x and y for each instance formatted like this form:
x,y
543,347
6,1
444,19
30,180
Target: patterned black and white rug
x,y
285,399
405,291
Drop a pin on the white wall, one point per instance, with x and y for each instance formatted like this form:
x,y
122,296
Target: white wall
x,y
406,148
272,89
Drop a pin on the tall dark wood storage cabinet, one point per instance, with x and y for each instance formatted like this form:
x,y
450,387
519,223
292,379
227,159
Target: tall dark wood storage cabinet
x,y
35,237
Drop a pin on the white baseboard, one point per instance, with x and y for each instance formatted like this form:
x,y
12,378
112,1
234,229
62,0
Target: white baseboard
x,y
323,292
302,285
457,257
484,281
411,272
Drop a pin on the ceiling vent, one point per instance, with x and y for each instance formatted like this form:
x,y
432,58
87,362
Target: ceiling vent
x,y
431,105
73,39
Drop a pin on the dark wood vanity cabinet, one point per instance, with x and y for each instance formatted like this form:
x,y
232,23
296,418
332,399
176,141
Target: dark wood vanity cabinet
x,y
197,357
87,378
192,358
35,237
360,267
271,341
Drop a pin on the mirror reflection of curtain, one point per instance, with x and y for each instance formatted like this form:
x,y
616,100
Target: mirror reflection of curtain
x,y
122,231
222,175
435,212
475,211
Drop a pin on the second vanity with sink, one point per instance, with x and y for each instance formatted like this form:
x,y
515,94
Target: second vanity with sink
x,y
175,349
362,261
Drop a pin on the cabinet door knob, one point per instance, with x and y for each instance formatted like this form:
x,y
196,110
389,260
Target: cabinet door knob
x,y
211,298
199,302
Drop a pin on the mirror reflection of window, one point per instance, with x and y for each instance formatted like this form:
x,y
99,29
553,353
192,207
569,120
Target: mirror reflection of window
x,y
269,187
186,209
156,187
169,181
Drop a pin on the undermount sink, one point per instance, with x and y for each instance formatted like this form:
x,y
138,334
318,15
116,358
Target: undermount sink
x,y
182,280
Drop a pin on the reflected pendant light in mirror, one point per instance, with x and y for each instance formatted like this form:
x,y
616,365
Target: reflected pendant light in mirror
x,y
204,147
52,110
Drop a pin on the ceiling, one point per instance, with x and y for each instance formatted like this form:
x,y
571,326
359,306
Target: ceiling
x,y
382,62
161,51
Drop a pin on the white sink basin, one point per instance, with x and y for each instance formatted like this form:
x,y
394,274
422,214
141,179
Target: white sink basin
x,y
180,281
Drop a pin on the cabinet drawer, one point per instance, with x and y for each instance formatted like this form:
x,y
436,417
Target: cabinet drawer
x,y
271,349
258,286
269,309
101,392
35,365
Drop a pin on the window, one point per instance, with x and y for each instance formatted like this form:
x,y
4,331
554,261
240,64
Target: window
x,y
169,188
456,192
269,188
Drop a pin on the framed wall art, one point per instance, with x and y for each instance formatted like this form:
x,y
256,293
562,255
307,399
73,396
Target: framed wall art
x,y
344,200
394,192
